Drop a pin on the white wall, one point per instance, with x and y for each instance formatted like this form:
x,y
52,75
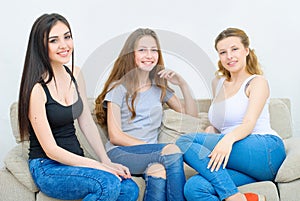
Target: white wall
x,y
273,28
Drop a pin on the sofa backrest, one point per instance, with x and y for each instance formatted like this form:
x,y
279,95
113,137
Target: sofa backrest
x,y
280,116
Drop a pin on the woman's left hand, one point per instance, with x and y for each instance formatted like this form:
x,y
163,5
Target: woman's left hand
x,y
220,154
120,169
171,76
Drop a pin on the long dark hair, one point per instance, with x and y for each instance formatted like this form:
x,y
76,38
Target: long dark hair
x,y
37,65
124,72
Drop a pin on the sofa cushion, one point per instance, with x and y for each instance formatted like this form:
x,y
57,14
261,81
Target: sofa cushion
x,y
12,190
175,124
280,117
14,121
290,168
16,161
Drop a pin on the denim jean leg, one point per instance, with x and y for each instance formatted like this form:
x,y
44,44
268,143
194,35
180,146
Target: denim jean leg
x,y
129,190
68,182
155,189
198,188
196,148
175,176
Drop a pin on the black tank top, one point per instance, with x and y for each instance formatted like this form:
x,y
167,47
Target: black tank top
x,y
61,120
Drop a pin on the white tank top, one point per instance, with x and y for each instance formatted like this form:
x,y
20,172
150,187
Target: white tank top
x,y
228,114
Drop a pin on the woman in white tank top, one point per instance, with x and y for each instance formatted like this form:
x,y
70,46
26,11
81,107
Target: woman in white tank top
x,y
243,148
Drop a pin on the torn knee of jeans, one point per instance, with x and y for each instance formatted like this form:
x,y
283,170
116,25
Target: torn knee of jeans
x,y
156,170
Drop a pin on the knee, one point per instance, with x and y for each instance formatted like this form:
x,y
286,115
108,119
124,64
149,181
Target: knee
x,y
156,170
185,141
170,149
197,187
129,190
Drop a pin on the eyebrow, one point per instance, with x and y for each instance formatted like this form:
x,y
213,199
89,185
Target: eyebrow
x,y
68,32
142,46
232,46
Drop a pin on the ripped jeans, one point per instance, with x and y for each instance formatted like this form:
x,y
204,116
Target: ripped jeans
x,y
138,158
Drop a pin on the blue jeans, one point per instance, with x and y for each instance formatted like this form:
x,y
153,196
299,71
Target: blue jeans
x,y
71,183
138,158
254,158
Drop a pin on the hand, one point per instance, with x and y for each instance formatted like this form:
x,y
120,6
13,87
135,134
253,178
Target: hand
x,y
220,154
119,169
171,76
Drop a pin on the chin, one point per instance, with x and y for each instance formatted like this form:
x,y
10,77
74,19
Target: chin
x,y
146,68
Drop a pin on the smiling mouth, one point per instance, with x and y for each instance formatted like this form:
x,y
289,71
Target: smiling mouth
x,y
64,53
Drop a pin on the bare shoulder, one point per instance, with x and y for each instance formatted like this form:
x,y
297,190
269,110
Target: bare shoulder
x,y
214,85
259,80
38,93
215,81
76,70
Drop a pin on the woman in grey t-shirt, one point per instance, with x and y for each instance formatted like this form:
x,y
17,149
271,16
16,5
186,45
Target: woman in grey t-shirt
x,y
131,105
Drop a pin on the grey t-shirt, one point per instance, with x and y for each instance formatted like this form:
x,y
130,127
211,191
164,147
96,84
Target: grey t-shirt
x,y
145,126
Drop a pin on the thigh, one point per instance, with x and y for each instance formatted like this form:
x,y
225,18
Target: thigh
x,y
251,155
136,158
69,182
240,178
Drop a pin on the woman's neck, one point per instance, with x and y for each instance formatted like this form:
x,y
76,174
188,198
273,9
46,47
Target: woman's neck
x,y
239,77
144,81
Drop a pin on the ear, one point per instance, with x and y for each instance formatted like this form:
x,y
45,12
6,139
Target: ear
x,y
247,51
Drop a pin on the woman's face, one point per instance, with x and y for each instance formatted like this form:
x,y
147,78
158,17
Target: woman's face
x,y
60,44
146,53
232,54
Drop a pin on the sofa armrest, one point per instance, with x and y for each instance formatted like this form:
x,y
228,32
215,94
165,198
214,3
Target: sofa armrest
x,y
16,162
290,168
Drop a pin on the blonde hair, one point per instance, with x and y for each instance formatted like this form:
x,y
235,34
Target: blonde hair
x,y
124,72
252,65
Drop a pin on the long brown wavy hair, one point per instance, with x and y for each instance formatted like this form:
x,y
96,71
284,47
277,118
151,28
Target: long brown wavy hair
x,y
252,65
124,72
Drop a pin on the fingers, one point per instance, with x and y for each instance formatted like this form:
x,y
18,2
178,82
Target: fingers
x,y
167,74
225,161
122,171
125,173
216,161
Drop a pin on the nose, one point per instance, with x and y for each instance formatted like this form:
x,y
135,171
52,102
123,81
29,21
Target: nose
x,y
148,53
229,55
62,45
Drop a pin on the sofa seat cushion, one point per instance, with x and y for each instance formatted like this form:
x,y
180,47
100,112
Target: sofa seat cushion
x,y
12,190
266,188
290,168
16,161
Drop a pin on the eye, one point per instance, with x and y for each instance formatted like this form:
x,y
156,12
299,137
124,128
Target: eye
x,y
154,50
234,49
52,40
68,37
142,50
221,53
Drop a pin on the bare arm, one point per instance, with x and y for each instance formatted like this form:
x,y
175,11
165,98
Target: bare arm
x,y
258,93
189,106
39,121
89,128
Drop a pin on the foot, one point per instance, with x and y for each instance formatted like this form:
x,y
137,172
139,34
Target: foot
x,y
254,197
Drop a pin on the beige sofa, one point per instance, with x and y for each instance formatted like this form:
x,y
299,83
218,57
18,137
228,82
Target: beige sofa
x,y
16,183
